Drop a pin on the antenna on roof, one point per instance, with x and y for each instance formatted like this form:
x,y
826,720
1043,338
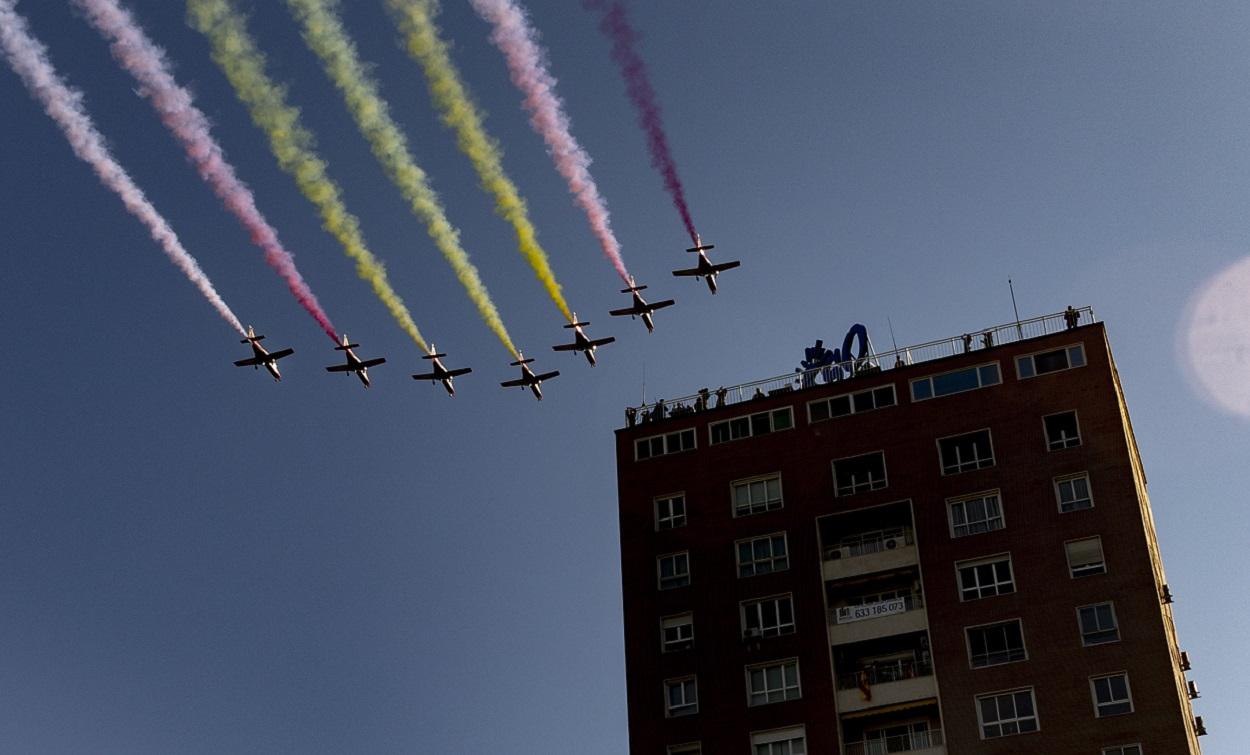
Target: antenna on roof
x,y
643,402
887,322
1019,330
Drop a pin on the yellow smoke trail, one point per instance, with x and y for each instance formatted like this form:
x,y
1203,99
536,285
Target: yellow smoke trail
x,y
324,34
416,20
235,53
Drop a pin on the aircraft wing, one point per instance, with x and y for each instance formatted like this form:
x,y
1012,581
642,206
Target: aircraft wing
x,y
547,375
564,347
603,341
725,266
248,362
280,354
341,368
459,372
626,311
372,362
513,383
690,271
430,376
660,304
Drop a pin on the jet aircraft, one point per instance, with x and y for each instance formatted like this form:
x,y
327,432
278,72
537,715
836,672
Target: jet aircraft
x,y
640,307
528,379
354,363
440,372
705,268
581,342
262,357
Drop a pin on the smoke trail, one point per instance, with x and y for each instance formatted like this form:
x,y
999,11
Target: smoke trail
x,y
416,19
146,62
527,62
324,33
638,83
236,54
29,58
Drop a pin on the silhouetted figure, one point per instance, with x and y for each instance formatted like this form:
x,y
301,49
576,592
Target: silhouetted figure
x,y
631,416
967,342
700,404
658,412
757,395
1071,317
721,393
987,339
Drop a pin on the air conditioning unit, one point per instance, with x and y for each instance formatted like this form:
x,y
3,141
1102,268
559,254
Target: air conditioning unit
x,y
1192,688
1199,728
891,544
1185,661
841,552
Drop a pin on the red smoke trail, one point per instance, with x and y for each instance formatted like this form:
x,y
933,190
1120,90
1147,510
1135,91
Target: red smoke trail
x,y
146,62
527,62
29,59
616,25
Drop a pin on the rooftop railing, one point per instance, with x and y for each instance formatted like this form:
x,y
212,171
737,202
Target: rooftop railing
x,y
873,363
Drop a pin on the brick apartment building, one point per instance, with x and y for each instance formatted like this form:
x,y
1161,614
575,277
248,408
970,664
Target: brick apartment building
x,y
943,549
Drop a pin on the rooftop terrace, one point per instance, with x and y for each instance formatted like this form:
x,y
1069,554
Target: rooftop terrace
x,y
870,362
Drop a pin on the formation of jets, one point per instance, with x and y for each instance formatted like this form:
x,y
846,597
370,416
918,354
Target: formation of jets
x,y
639,307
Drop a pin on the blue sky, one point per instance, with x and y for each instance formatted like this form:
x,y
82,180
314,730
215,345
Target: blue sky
x,y
194,559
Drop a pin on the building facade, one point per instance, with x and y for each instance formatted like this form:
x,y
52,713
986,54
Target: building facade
x,y
946,549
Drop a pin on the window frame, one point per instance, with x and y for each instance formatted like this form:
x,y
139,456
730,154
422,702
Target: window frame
x,y
972,563
751,509
856,488
679,434
655,505
728,423
995,493
1024,648
665,648
772,559
1066,443
1070,349
767,692
787,734
686,748
1068,557
693,707
962,467
745,606
659,570
1128,690
1060,480
932,393
1115,624
850,400
981,724
1122,749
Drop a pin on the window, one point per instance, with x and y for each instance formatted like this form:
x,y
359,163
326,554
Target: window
x,y
858,474
690,748
975,514
670,511
899,738
750,425
762,555
995,644
1085,557
985,578
851,403
964,453
756,495
1007,713
681,696
677,632
1056,360
767,617
788,741
958,381
661,445
1098,624
773,682
1073,492
1111,695
1062,431
1122,750
674,570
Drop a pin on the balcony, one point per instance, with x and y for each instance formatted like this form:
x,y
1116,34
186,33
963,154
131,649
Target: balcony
x,y
868,552
891,684
856,623
919,743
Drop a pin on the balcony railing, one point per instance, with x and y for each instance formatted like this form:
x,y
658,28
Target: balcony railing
x,y
882,673
879,362
916,740
876,610
869,543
